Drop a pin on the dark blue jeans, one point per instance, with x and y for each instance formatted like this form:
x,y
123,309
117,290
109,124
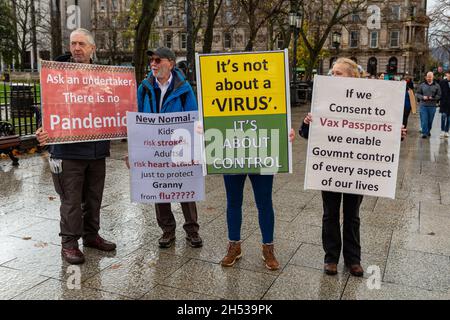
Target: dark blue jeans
x,y
445,121
262,189
426,119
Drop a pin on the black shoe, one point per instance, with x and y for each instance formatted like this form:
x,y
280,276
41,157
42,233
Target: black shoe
x,y
194,240
424,136
100,244
72,255
166,240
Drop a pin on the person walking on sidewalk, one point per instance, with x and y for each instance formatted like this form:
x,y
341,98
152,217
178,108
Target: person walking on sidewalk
x,y
410,104
166,90
444,107
78,172
331,230
428,93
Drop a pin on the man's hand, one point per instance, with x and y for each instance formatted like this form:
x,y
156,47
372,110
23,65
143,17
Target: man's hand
x,y
199,127
308,118
42,137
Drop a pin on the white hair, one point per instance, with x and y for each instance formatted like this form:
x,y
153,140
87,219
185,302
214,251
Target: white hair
x,y
87,33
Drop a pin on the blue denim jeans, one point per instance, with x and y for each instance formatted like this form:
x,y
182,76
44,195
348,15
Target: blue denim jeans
x,y
426,119
445,121
262,190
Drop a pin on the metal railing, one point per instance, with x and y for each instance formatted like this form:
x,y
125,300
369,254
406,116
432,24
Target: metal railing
x,y
20,103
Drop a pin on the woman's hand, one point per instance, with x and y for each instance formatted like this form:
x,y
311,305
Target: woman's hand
x,y
404,132
308,118
291,135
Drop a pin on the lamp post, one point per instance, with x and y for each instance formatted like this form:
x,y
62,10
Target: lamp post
x,y
337,41
295,20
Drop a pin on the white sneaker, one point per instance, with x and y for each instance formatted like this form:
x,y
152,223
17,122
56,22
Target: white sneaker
x,y
446,135
442,134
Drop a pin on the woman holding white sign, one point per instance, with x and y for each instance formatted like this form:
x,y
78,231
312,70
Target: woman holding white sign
x,y
331,231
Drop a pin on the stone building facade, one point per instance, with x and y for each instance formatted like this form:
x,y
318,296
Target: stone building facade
x,y
169,29
391,38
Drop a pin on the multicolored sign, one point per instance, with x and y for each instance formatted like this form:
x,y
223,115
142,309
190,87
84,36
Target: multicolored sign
x,y
245,109
164,157
86,102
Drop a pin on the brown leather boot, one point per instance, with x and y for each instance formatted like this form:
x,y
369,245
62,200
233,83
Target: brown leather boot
x,y
233,254
269,257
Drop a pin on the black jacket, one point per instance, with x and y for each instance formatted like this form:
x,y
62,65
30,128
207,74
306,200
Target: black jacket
x,y
80,150
445,96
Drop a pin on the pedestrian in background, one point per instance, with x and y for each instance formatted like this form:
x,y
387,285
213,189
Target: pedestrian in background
x,y
444,107
428,93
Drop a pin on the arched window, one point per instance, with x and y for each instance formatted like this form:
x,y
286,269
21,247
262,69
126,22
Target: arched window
x,y
392,65
372,66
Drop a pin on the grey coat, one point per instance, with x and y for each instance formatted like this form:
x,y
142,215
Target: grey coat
x,y
431,90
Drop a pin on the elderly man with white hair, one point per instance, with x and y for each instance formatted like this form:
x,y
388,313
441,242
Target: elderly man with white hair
x,y
428,93
78,172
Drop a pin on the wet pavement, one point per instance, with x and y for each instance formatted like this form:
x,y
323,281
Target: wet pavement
x,y
405,241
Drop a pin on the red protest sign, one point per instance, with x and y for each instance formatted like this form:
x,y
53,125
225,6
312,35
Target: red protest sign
x,y
86,102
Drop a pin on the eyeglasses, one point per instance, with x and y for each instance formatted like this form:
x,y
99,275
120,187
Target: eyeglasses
x,y
156,60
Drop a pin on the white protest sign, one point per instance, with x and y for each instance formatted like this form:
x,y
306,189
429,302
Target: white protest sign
x,y
354,139
164,157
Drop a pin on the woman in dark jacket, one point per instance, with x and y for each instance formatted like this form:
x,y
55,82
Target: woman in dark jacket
x,y
331,230
444,108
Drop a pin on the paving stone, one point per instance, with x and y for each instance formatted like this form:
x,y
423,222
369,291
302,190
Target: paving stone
x,y
212,279
299,283
362,289
14,282
52,289
136,274
45,259
160,292
418,269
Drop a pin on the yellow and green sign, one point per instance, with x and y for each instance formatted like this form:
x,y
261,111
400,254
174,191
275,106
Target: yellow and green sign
x,y
245,108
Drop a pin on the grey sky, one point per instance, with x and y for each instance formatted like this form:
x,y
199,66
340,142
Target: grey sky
x,y
431,4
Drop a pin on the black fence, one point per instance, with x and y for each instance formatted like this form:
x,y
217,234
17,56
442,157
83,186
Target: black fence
x,y
20,104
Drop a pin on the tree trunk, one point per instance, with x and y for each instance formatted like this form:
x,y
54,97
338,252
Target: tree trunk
x,y
33,36
190,54
251,40
149,10
16,35
207,41
55,23
209,31
312,60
